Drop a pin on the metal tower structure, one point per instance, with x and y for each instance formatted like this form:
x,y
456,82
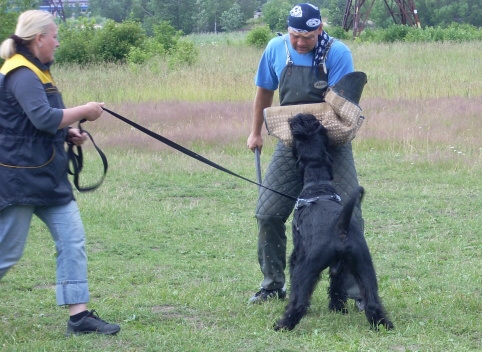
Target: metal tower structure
x,y
357,13
54,7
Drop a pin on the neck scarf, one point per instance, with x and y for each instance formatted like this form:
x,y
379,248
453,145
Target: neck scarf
x,y
320,49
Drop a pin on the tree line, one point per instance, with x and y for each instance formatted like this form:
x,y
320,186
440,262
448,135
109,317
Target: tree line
x,y
201,16
197,16
131,39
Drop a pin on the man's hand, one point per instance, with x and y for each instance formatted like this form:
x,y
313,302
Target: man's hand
x,y
255,141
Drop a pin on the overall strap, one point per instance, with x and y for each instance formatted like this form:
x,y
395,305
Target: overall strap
x,y
288,56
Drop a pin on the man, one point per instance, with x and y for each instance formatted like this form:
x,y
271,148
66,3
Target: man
x,y
301,65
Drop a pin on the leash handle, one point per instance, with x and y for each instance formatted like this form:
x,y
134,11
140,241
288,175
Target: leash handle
x,y
76,161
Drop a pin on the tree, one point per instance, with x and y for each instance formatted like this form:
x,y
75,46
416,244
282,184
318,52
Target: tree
x,y
431,13
166,35
248,7
211,11
200,18
117,10
9,11
337,12
9,19
232,19
275,14
444,12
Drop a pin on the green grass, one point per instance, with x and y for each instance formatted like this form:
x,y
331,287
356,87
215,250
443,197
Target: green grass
x,y
172,248
172,242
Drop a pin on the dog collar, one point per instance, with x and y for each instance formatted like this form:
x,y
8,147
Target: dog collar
x,y
301,202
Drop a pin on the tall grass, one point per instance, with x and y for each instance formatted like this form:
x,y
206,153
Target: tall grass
x,y
226,73
420,71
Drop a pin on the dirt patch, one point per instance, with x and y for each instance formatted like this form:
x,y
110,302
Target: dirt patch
x,y
454,121
185,123
450,122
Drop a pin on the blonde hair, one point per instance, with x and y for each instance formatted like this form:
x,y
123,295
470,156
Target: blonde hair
x,y
29,25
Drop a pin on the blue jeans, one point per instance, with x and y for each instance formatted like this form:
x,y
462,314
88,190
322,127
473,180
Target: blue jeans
x,y
67,230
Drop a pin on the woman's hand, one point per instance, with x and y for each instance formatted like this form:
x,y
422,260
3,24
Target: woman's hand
x,y
93,111
76,137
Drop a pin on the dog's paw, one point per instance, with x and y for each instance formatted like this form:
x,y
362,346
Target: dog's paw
x,y
280,327
338,306
387,324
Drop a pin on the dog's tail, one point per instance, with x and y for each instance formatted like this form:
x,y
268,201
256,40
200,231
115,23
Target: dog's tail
x,y
343,221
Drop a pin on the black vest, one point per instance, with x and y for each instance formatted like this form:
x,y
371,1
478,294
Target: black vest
x,y
33,163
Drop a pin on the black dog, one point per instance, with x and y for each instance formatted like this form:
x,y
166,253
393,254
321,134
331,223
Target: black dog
x,y
325,234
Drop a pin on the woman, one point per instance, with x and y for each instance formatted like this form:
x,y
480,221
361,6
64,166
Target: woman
x,y
34,165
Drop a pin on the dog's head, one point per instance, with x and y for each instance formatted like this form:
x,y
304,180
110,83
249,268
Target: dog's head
x,y
310,143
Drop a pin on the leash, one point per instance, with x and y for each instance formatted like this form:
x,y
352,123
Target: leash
x,y
76,160
188,152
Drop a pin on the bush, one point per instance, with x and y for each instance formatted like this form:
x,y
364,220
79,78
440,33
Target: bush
x,y
149,48
76,44
113,43
184,54
370,35
83,43
166,35
259,36
462,32
137,56
418,35
338,32
395,33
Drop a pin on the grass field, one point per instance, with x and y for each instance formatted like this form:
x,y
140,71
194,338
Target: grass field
x,y
172,242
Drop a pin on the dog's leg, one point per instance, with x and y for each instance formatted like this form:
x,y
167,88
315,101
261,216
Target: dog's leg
x,y
364,273
336,291
305,277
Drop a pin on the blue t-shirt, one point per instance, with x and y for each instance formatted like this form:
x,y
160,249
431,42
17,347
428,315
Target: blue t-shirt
x,y
339,62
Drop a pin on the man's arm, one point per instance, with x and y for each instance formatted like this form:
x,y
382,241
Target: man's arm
x,y
339,63
263,99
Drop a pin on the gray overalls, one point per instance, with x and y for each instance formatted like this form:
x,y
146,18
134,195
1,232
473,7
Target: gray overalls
x,y
298,85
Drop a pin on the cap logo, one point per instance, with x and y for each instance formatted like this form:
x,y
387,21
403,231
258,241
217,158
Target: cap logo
x,y
296,11
313,22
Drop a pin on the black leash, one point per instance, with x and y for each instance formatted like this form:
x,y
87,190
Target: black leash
x,y
76,161
187,152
